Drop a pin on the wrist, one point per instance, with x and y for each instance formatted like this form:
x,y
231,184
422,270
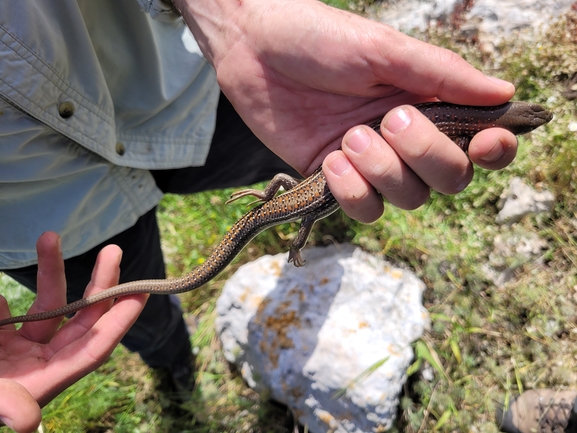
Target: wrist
x,y
214,24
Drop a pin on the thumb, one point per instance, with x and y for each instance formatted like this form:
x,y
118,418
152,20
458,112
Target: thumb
x,y
18,409
436,72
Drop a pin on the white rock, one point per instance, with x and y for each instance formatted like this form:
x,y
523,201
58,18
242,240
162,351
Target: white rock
x,y
520,200
407,15
494,19
504,17
305,336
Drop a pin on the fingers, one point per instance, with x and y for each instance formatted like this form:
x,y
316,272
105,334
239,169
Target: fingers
x,y
18,409
410,158
108,322
83,352
5,313
493,149
51,288
104,323
105,274
90,349
432,155
88,339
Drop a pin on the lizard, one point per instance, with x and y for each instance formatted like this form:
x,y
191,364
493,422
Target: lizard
x,y
308,200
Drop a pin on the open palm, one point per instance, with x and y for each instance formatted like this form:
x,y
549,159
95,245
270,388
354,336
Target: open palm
x,y
40,360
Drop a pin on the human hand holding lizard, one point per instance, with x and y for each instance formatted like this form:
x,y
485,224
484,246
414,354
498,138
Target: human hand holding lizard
x,y
300,74
38,361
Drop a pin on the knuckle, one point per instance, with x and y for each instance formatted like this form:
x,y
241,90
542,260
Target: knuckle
x,y
363,205
421,149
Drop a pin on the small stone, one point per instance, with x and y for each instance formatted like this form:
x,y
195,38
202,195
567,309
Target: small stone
x,y
520,200
512,248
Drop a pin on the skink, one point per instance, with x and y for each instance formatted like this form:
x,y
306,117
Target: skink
x,y
308,200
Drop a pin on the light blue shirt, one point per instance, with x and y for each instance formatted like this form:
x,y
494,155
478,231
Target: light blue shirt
x,y
92,95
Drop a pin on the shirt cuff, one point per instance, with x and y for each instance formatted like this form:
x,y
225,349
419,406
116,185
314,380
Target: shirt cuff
x,y
160,10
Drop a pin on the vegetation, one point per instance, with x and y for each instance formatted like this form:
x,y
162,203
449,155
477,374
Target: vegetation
x,y
353,5
487,341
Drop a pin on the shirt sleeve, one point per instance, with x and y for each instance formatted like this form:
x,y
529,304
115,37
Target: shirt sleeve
x,y
135,91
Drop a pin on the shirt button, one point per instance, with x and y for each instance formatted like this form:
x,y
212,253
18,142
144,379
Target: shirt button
x,y
120,149
66,109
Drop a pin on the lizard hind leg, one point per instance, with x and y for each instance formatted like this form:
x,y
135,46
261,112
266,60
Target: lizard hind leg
x,y
280,180
300,242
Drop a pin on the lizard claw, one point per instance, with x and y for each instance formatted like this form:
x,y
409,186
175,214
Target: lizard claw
x,y
296,258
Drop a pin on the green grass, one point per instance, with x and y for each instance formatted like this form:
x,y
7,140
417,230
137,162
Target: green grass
x,y
354,5
486,342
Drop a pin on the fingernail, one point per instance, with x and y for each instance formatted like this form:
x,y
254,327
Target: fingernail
x,y
397,120
462,186
358,140
500,82
494,154
339,165
7,421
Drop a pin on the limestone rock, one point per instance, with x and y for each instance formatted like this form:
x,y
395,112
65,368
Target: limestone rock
x,y
330,340
491,19
520,200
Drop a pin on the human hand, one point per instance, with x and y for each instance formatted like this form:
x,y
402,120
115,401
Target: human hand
x,y
302,74
39,361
